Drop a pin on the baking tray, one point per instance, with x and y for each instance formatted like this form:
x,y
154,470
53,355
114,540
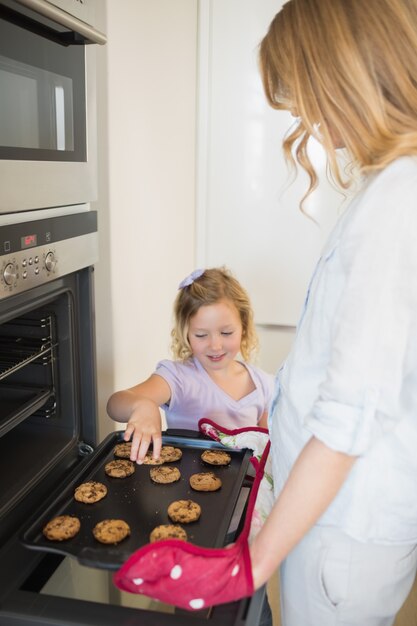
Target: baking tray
x,y
142,503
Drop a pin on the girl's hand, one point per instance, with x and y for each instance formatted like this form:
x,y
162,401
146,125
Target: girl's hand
x,y
139,407
144,427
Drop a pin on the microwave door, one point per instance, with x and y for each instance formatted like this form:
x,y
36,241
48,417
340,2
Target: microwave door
x,y
47,107
43,120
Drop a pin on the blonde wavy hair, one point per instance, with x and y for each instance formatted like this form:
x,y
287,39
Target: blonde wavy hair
x,y
212,286
348,69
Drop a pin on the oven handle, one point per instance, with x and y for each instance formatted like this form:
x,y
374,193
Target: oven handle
x,y
65,19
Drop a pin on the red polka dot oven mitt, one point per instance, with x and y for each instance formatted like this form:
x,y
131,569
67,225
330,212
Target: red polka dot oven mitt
x,y
186,575
189,576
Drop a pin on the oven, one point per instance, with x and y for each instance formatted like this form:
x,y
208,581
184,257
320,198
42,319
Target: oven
x,y
47,372
47,103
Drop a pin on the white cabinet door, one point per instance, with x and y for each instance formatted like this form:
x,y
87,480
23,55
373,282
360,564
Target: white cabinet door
x,y
247,207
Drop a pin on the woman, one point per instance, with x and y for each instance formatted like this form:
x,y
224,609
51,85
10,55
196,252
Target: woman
x,y
344,418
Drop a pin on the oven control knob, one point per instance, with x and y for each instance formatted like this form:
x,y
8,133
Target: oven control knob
x,y
50,261
10,274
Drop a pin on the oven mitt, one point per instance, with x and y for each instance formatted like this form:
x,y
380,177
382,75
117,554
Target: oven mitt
x,y
189,576
255,439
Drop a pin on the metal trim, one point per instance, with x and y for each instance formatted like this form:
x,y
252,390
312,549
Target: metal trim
x,y
65,19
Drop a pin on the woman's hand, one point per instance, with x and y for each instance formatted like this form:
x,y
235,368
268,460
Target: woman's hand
x,y
186,575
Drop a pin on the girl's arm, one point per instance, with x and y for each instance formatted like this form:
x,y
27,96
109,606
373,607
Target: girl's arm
x,y
314,481
139,407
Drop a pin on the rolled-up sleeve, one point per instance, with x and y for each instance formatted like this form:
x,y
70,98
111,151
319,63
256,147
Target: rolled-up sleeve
x,y
370,375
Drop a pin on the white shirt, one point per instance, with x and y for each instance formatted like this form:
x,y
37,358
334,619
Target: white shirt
x,y
351,377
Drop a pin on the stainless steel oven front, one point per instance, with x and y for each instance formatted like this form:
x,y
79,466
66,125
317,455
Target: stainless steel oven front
x,y
47,367
47,103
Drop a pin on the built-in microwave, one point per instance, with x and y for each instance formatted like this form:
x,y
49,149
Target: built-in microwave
x,y
48,137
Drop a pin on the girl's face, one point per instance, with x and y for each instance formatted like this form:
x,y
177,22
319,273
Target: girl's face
x,y
215,334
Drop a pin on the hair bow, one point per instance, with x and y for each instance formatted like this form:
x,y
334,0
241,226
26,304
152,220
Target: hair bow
x,y
191,278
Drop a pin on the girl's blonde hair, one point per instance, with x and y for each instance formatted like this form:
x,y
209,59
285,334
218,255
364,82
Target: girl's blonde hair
x,y
213,285
348,69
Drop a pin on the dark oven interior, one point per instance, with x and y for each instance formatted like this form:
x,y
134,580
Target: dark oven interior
x,y
48,398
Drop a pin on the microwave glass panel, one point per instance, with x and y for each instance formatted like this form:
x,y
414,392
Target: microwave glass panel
x,y
36,107
42,97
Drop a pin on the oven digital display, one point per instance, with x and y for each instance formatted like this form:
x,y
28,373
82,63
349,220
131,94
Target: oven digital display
x,y
28,241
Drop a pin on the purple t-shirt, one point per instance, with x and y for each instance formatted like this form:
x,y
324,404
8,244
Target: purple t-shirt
x,y
195,395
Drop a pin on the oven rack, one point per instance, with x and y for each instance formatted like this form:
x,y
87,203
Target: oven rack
x,y
16,355
24,341
19,403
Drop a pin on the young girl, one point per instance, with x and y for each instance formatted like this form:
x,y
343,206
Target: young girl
x,y
213,323
343,420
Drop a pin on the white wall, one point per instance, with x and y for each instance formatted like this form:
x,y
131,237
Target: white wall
x,y
146,122
248,214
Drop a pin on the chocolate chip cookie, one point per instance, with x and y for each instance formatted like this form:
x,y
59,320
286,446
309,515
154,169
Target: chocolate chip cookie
x,y
184,511
111,531
120,468
165,474
149,460
122,450
216,457
170,454
90,492
62,528
167,531
205,481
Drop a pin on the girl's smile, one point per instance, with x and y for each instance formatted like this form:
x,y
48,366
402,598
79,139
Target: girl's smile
x,y
215,358
215,335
